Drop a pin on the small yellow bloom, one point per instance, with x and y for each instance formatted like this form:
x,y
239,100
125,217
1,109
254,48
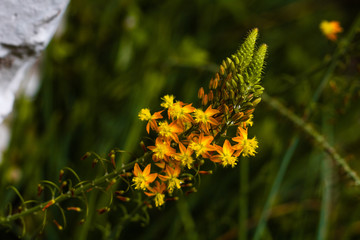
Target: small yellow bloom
x,y
330,29
142,179
162,149
180,111
158,192
171,178
245,146
225,155
206,118
168,101
201,145
145,115
170,131
184,156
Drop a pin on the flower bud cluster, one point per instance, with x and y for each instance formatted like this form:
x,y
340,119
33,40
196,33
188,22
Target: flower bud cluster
x,y
188,137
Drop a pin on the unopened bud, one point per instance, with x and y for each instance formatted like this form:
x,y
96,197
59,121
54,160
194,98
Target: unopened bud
x,y
143,147
112,158
172,199
58,225
122,198
119,192
103,210
184,185
86,155
205,100
193,190
61,175
206,172
51,202
201,93
40,189
94,162
76,209
63,184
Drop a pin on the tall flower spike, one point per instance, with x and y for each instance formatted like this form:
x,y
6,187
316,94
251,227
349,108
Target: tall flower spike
x,y
235,90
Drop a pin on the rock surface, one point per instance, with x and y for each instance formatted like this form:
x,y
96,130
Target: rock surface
x,y
26,27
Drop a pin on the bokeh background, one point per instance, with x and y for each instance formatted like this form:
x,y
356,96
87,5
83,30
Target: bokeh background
x,y
112,58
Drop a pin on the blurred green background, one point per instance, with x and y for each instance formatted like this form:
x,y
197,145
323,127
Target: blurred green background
x,y
115,57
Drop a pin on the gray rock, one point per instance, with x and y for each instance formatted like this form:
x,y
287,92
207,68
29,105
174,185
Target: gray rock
x,y
26,28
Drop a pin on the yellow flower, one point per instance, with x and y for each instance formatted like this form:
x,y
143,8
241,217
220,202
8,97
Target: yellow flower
x,y
225,155
142,179
184,156
330,29
170,131
168,101
201,145
205,118
145,115
245,146
180,111
157,191
171,177
162,149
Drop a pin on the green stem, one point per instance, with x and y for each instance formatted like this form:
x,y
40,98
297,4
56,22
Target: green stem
x,y
344,43
275,187
327,182
243,200
315,135
78,191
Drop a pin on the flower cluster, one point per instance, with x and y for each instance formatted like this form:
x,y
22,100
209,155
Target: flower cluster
x,y
186,137
330,29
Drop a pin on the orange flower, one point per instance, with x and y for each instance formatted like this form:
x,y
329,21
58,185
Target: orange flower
x,y
201,145
245,146
184,156
330,29
142,179
205,118
145,115
157,191
180,111
170,131
162,149
225,155
171,177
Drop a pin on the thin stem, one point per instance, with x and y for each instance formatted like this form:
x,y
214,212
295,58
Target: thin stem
x,y
78,191
243,199
326,170
315,135
275,187
309,130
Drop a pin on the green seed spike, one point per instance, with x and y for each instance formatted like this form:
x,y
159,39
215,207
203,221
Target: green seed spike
x,y
256,67
246,51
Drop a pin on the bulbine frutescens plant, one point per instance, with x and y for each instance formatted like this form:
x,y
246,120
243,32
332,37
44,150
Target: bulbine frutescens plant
x,y
185,143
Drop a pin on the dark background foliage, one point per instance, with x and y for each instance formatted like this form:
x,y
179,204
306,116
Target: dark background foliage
x,y
114,57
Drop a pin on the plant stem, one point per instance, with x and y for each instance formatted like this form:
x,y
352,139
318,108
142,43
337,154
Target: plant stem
x,y
315,135
78,190
243,199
